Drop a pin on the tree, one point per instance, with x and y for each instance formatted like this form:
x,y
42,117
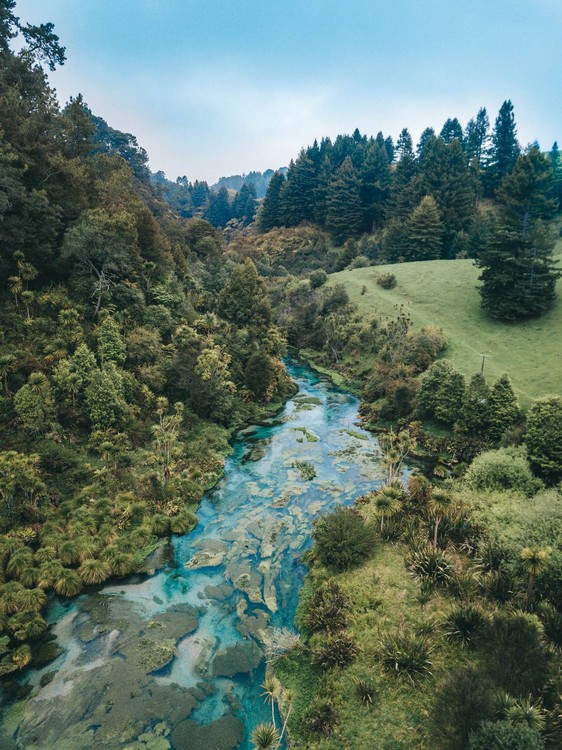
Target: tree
x,y
344,214
441,393
342,539
543,437
297,196
476,137
504,149
111,347
504,408
424,231
452,129
535,563
219,211
104,398
375,180
22,490
244,301
270,215
34,404
475,412
556,166
519,275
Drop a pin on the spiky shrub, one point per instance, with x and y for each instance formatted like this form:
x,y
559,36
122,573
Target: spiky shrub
x,y
265,737
551,620
337,650
320,719
67,583
429,564
342,539
463,623
327,609
183,522
365,690
93,572
406,655
498,586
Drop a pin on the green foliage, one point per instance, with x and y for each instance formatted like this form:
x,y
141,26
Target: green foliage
x,y
342,539
543,437
344,215
318,278
441,393
386,280
504,408
34,404
463,623
424,234
431,565
502,735
334,650
406,655
502,469
327,609
474,416
243,300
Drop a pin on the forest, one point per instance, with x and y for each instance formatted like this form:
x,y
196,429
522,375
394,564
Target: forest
x,y
149,327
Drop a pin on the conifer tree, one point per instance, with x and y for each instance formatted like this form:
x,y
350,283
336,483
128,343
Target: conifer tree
x,y
270,213
476,137
297,197
504,149
504,409
452,129
219,211
556,165
519,275
474,417
375,185
544,437
344,214
424,232
441,392
399,205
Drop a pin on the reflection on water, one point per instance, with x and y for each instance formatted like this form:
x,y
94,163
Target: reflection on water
x,y
174,660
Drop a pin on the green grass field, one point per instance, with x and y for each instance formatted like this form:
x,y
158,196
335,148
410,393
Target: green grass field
x,y
443,293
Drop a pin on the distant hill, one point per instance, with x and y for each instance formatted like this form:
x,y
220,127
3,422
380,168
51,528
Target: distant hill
x,y
444,293
259,179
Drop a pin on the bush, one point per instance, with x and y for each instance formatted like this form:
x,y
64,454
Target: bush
x,y
544,438
337,650
502,469
386,280
406,655
342,539
502,735
318,278
327,609
463,699
361,261
513,654
320,719
428,564
463,622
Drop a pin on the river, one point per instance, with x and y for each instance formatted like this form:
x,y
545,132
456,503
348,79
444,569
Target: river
x,y
173,660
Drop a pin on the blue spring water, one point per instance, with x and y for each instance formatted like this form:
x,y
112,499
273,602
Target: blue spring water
x,y
253,529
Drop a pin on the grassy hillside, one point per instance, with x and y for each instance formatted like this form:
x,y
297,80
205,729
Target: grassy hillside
x,y
443,292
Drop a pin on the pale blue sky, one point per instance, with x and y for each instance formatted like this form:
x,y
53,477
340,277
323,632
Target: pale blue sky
x,y
216,87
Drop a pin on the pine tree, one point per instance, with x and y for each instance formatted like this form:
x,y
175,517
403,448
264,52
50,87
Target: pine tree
x,y
270,213
504,409
504,149
476,137
474,418
544,437
424,231
399,205
556,165
441,392
344,215
219,211
519,275
452,129
375,185
297,197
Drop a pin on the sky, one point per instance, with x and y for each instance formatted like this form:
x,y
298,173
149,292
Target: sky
x,y
220,87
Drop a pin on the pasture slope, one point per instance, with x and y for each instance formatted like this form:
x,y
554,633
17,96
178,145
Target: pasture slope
x,y
444,293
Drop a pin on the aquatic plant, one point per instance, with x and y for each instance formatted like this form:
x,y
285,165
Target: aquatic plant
x,y
306,470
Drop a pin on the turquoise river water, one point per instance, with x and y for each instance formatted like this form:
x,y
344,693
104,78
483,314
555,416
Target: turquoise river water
x,y
173,659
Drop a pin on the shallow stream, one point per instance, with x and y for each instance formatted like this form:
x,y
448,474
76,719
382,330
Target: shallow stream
x,y
174,659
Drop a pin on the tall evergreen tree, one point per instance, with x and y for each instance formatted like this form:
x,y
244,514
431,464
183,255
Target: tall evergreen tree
x,y
270,214
504,409
452,129
556,165
297,197
475,412
426,136
504,149
375,185
476,137
424,231
219,211
519,275
344,215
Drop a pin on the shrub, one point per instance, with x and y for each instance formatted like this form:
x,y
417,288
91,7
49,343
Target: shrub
x,y
320,719
551,620
428,564
337,650
502,469
513,654
318,278
361,261
386,280
463,699
501,735
342,539
365,690
327,609
462,623
306,470
544,437
406,655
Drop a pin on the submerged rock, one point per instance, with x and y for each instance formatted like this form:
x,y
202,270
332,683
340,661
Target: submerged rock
x,y
225,733
237,659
